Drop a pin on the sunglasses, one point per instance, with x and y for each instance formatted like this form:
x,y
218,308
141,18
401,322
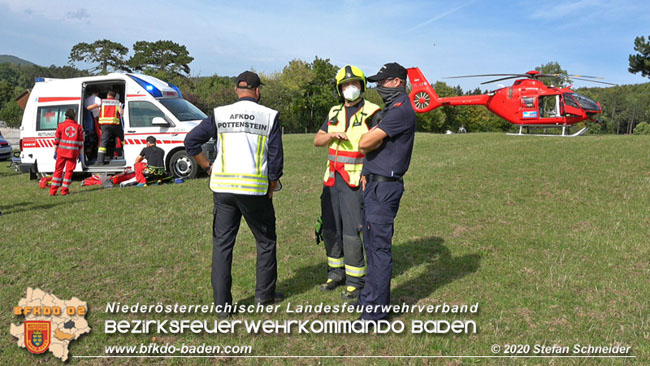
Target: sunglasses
x,y
383,82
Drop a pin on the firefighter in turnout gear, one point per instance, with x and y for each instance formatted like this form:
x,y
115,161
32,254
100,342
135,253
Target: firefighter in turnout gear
x,y
68,144
110,124
247,168
342,197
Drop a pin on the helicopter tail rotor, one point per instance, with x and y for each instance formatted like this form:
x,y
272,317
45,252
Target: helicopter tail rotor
x,y
423,97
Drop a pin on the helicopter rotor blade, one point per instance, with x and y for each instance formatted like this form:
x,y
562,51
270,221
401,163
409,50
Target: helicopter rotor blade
x,y
578,76
537,76
533,76
594,81
483,75
509,77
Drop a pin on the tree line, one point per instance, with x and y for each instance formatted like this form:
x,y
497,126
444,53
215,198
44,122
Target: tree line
x,y
304,91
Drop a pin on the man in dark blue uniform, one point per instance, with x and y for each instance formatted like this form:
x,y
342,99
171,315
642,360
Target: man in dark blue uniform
x,y
388,149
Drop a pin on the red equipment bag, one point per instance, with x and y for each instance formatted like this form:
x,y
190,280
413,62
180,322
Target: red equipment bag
x,y
119,178
45,182
92,181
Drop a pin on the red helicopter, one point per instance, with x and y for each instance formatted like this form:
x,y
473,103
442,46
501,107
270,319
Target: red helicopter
x,y
527,103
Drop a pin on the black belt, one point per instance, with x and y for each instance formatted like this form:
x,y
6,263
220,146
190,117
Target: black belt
x,y
381,178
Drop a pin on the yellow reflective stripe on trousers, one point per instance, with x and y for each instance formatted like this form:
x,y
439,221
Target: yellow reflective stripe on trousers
x,y
335,262
355,271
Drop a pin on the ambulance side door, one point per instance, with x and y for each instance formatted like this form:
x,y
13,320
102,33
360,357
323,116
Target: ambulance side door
x,y
48,118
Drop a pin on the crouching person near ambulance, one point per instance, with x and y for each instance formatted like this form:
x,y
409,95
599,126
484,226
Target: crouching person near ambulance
x,y
155,165
68,143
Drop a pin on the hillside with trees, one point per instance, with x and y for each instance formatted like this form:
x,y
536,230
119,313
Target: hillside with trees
x,y
303,91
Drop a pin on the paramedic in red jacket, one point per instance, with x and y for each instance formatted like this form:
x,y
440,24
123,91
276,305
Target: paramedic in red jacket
x,y
69,142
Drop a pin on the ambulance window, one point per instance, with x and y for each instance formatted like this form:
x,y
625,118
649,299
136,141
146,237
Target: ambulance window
x,y
182,109
141,114
49,117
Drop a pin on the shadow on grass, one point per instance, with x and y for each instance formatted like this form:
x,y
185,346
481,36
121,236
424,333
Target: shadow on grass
x,y
88,190
10,174
304,279
440,268
30,206
19,204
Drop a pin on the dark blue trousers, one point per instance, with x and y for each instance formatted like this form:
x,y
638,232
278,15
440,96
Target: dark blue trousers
x,y
259,214
381,200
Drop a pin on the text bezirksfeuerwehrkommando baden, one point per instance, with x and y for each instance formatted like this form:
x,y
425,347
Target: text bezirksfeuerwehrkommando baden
x,y
277,326
181,326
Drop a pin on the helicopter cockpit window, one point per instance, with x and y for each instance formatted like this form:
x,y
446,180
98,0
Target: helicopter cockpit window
x,y
568,100
528,102
586,103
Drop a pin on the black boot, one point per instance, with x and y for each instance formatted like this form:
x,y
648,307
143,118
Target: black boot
x,y
100,158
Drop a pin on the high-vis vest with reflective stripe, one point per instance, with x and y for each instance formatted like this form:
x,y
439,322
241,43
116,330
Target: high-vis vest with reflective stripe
x,y
344,156
109,113
242,148
69,139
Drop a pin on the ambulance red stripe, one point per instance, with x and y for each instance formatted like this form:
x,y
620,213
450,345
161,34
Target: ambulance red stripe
x,y
57,99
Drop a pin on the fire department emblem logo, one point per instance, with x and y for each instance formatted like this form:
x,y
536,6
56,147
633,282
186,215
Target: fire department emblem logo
x,y
37,335
71,131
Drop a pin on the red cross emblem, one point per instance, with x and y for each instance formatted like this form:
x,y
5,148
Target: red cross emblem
x,y
70,131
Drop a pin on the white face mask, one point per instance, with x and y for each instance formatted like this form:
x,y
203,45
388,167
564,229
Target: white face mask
x,y
351,93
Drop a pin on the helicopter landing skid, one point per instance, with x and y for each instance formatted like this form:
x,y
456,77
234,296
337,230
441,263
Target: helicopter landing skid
x,y
564,133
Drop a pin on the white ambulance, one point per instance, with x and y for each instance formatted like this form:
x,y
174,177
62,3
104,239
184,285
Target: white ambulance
x,y
151,107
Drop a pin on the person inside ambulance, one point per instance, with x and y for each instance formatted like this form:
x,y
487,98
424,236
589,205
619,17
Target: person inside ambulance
x,y
93,102
342,197
110,122
119,142
92,132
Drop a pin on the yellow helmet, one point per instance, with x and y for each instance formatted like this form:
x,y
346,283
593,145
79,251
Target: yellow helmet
x,y
349,73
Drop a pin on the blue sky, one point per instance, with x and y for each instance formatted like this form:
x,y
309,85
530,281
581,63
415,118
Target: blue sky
x,y
443,38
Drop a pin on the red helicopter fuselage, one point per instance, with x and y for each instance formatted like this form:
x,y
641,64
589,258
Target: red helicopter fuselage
x,y
528,102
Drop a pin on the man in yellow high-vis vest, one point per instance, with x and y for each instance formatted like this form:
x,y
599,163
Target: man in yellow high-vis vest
x,y
110,123
248,166
342,198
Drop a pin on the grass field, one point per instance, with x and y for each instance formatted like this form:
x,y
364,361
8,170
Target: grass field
x,y
549,235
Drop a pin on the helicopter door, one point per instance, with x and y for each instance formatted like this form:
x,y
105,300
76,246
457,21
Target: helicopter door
x,y
549,106
571,106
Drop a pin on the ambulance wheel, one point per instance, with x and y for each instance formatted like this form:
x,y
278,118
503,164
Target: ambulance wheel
x,y
181,165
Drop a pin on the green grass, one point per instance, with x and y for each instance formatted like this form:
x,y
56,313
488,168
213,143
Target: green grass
x,y
549,235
